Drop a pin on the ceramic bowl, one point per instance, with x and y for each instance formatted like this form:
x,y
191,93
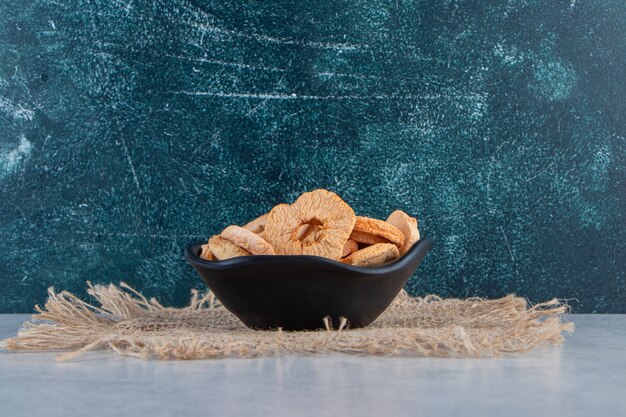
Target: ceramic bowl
x,y
297,292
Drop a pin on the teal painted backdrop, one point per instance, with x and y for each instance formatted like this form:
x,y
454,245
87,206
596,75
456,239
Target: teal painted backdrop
x,y
129,129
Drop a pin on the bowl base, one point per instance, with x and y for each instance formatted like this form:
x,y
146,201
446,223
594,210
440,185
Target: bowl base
x,y
325,323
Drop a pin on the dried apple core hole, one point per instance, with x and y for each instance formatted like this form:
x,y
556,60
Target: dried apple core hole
x,y
310,232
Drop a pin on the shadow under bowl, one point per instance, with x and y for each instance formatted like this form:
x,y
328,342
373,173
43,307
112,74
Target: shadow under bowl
x,y
297,292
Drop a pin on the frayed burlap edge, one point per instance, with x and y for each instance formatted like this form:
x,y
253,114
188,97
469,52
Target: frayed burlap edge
x,y
129,324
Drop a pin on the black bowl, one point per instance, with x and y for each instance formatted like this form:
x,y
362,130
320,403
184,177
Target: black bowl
x,y
297,292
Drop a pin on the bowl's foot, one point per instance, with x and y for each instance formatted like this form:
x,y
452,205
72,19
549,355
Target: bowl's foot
x,y
328,323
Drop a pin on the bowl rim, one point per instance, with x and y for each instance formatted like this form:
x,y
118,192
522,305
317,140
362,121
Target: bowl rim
x,y
424,244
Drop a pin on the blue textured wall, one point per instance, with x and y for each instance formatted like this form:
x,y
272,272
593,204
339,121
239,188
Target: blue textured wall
x,y
129,129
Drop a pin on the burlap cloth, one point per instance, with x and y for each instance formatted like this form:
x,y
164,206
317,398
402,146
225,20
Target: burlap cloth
x,y
129,324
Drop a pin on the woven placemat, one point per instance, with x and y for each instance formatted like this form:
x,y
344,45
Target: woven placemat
x,y
128,323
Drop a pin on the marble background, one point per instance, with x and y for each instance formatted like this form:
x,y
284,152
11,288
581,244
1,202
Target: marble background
x,y
129,129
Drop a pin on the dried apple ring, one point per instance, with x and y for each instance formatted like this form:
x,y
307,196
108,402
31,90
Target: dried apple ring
x,y
349,247
207,254
408,226
378,228
225,249
373,255
367,238
257,225
328,220
247,240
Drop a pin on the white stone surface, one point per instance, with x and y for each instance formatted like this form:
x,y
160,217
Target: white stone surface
x,y
585,377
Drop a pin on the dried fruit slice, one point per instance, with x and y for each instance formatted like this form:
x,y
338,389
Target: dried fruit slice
x,y
257,225
377,228
367,238
349,247
224,249
247,240
328,219
207,254
408,226
373,255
